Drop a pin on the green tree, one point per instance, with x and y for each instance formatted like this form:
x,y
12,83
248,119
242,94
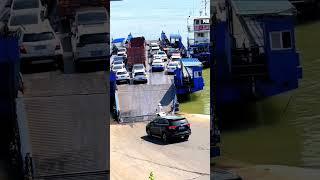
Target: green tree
x,y
151,177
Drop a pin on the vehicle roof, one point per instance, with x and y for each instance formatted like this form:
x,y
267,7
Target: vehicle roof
x,y
90,9
157,61
138,65
189,62
92,29
122,70
26,11
37,28
173,117
139,70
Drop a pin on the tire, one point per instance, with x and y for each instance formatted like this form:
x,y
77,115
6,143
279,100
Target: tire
x,y
186,138
60,63
149,133
128,81
164,138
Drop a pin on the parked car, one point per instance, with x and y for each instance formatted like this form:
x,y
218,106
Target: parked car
x,y
172,66
118,67
119,62
158,65
122,52
90,16
122,76
90,43
21,18
139,76
32,5
163,55
175,57
169,128
119,58
138,67
40,44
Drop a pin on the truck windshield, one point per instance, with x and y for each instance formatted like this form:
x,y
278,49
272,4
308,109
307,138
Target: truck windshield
x,y
38,37
23,4
100,38
92,18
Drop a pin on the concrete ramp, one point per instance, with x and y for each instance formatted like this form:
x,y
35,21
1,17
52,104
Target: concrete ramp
x,y
140,102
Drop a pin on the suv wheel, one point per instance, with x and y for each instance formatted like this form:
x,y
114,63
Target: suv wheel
x,y
186,138
148,132
164,138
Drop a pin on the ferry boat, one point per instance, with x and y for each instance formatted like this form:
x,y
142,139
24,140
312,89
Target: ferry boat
x,y
199,43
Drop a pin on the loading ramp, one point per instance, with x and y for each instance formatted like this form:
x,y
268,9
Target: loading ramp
x,y
63,124
140,102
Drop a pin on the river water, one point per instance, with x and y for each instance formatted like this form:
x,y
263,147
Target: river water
x,y
286,128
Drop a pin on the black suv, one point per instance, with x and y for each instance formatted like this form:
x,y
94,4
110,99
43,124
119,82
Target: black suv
x,y
169,127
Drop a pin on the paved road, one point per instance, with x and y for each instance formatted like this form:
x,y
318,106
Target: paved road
x,y
134,156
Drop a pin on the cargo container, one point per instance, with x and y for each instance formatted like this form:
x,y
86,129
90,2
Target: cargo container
x,y
136,52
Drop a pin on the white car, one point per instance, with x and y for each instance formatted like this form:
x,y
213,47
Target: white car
x,y
122,52
175,57
122,76
158,65
32,5
118,67
172,66
139,76
90,43
40,44
163,55
19,19
138,67
118,62
90,16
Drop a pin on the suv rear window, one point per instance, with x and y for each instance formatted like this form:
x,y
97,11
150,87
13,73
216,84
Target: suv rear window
x,y
121,73
92,18
24,20
23,4
38,37
177,122
139,74
94,38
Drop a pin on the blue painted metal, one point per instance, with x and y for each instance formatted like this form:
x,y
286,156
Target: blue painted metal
x,y
9,71
118,40
188,79
175,41
129,37
250,73
267,72
200,51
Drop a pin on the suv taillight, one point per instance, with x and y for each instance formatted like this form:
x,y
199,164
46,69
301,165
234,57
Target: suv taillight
x,y
23,50
58,47
172,127
188,124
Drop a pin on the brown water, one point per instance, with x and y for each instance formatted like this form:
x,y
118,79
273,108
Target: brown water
x,y
286,129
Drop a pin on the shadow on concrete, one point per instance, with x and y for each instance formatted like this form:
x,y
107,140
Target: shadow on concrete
x,y
158,141
38,68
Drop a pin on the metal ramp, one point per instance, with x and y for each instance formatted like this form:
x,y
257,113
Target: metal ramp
x,y
140,102
63,125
